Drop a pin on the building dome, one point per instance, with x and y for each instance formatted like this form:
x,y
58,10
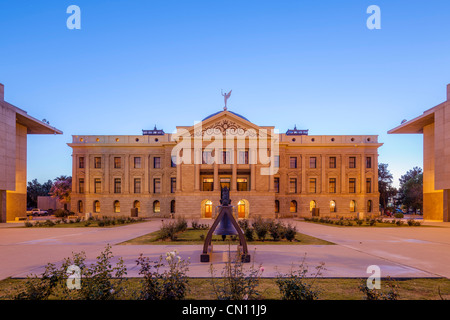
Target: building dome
x,y
236,114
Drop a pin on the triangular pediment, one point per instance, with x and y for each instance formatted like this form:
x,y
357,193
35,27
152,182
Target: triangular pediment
x,y
225,122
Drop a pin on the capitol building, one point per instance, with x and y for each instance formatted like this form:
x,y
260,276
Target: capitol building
x,y
269,173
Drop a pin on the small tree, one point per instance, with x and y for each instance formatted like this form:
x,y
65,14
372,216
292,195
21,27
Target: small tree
x,y
61,189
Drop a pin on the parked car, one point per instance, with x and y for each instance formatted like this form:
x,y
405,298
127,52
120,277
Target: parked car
x,y
36,212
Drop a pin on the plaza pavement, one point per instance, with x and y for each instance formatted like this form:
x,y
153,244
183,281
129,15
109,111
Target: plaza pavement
x,y
399,252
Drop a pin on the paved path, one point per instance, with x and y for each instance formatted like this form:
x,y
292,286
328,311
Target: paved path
x,y
400,252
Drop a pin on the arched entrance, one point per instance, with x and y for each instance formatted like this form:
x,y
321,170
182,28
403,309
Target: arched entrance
x,y
207,209
243,209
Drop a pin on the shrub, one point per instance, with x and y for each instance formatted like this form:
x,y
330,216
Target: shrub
x,y
61,213
101,223
359,222
172,284
249,235
377,294
181,224
235,284
276,230
28,224
87,223
399,223
399,215
100,281
296,286
261,228
290,232
168,230
349,223
372,222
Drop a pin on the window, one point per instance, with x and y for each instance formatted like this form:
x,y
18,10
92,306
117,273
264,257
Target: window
x,y
117,185
137,185
157,163
293,162
368,185
352,185
81,185
353,206
277,206
332,206
352,162
293,185
332,185
368,162
137,162
313,162
312,185
156,207
97,185
116,206
207,157
225,182
276,182
243,157
208,184
173,161
97,162
80,206
81,162
332,162
369,206
242,184
117,162
137,205
173,185
157,185
226,157
276,161
96,206
172,206
312,205
293,206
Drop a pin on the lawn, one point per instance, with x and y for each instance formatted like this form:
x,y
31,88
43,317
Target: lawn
x,y
331,289
191,236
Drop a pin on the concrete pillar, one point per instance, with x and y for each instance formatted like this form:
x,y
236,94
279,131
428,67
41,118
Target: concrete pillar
x,y
2,206
446,213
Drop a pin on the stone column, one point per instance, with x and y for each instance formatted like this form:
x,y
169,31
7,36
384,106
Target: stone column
x,y
126,174
303,162
216,177
323,181
197,158
106,175
87,164
178,176
343,175
234,171
253,162
146,181
363,173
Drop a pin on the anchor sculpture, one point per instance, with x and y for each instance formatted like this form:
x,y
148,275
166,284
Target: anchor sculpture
x,y
227,225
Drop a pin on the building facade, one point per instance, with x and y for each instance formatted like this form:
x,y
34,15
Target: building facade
x,y
15,125
268,173
434,124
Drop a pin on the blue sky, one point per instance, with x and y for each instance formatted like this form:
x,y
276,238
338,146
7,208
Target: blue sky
x,y
135,64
